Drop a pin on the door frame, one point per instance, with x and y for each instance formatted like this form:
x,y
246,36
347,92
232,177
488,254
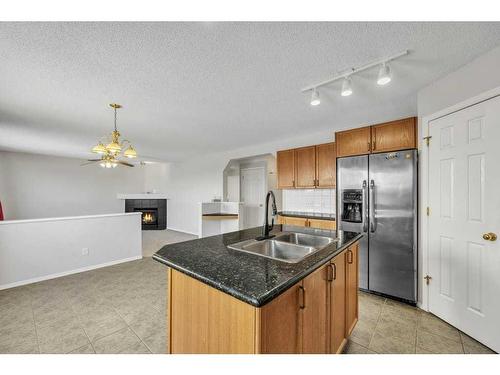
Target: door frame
x,y
423,261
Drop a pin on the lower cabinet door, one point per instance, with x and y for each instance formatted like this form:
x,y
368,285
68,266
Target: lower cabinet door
x,y
314,312
337,324
280,323
351,288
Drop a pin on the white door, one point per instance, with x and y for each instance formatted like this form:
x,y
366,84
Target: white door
x,y
253,193
464,199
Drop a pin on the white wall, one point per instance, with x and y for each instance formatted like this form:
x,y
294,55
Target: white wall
x,y
201,179
36,250
39,186
472,79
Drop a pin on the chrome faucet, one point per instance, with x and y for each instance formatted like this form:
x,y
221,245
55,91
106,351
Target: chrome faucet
x,y
267,228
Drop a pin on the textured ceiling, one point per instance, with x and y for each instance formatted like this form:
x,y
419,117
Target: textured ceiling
x,y
193,88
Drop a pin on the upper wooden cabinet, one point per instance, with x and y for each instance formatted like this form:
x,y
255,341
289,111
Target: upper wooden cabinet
x,y
286,169
394,135
307,167
385,137
353,142
326,166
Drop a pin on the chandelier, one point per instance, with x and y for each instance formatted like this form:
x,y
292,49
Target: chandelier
x,y
112,150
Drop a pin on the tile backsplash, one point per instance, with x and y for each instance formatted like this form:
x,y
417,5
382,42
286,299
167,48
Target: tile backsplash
x,y
309,200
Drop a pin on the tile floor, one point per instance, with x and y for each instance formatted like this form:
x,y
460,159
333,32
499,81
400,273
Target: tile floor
x,y
389,327
122,309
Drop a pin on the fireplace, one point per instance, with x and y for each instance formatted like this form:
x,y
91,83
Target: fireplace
x,y
149,217
154,212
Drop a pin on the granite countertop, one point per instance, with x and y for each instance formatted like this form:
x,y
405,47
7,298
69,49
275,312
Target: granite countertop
x,y
253,279
308,215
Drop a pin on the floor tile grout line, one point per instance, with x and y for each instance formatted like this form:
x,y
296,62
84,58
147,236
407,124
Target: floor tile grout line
x,y
129,327
34,323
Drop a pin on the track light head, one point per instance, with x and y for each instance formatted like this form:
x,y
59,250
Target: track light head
x,y
384,75
346,87
315,98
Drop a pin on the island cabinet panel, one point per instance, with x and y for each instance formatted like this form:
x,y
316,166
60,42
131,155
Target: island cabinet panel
x,y
353,142
280,323
206,320
337,295
351,288
394,135
305,167
326,165
314,312
285,162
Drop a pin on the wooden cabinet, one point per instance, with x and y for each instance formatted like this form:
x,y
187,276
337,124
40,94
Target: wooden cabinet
x,y
310,223
394,135
280,323
351,288
353,142
321,224
305,167
326,165
385,137
314,309
337,296
285,162
315,315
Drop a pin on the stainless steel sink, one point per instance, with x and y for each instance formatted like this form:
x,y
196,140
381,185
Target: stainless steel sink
x,y
303,239
287,247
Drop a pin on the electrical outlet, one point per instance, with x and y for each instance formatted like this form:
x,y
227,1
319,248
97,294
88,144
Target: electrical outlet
x,y
85,251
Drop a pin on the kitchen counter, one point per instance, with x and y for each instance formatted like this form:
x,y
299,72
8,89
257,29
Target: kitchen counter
x,y
307,215
253,279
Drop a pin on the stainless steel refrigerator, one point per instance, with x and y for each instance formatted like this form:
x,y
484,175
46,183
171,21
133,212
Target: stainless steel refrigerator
x,y
377,195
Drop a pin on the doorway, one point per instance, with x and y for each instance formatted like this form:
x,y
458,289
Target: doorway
x,y
252,194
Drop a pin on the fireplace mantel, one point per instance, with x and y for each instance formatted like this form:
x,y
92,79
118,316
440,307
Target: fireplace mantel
x,y
142,196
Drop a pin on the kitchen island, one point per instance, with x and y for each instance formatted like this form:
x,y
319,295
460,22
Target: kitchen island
x,y
222,300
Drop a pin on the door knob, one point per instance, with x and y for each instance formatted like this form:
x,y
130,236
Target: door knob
x,y
490,236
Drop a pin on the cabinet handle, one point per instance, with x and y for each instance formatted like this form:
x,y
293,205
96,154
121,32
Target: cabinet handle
x,y
302,297
293,183
349,256
373,146
334,271
330,273
369,146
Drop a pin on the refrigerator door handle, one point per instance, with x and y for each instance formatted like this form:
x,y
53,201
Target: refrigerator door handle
x,y
365,207
373,226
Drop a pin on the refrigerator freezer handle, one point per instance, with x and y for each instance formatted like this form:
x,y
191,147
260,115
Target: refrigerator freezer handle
x,y
365,207
373,226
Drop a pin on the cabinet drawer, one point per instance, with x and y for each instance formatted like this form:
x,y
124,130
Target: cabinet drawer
x,y
322,224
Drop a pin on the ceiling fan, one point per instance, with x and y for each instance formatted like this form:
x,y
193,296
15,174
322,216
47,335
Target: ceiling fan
x,y
112,151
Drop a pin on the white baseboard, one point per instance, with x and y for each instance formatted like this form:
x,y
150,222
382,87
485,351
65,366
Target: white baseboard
x,y
66,273
183,231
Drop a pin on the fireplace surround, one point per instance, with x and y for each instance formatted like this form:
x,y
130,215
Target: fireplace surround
x,y
154,212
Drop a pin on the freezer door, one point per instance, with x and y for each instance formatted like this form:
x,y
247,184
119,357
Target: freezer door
x,y
351,172
393,223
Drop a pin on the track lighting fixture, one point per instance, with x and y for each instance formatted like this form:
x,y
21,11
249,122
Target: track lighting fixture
x,y
383,78
315,98
346,87
384,75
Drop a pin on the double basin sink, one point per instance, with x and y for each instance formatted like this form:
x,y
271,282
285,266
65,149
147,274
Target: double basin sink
x,y
290,247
